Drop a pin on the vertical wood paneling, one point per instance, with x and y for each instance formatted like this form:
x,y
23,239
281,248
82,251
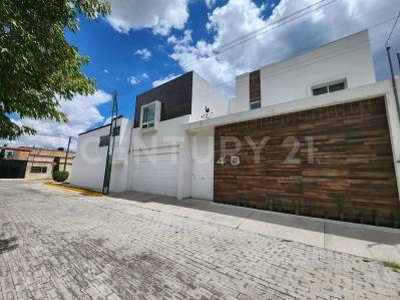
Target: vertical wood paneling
x,y
255,86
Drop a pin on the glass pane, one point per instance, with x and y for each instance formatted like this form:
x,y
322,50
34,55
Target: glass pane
x,y
336,87
104,141
319,91
148,113
255,104
116,131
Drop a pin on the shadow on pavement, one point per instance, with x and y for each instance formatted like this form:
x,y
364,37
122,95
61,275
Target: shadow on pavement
x,y
8,244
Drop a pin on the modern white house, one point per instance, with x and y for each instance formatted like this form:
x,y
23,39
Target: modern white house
x,y
305,132
152,147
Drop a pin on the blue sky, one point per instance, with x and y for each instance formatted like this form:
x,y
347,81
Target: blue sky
x,y
120,60
143,43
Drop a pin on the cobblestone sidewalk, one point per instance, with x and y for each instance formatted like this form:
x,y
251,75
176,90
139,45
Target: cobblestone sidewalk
x,y
59,245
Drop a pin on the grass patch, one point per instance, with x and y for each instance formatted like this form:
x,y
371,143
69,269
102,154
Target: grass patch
x,y
393,265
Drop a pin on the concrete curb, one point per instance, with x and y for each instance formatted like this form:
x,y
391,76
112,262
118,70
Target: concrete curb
x,y
83,192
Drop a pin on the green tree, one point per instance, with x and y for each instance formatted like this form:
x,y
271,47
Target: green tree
x,y
38,67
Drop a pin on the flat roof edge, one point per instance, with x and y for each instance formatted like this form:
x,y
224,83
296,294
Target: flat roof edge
x,y
99,127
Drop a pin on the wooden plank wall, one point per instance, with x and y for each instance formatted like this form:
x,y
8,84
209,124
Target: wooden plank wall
x,y
351,163
255,86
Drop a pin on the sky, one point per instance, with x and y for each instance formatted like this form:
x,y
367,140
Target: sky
x,y
142,44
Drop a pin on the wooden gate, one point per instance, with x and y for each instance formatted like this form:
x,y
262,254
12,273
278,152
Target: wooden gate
x,y
333,162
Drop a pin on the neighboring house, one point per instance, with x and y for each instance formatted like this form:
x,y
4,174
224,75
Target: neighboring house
x,y
33,163
314,134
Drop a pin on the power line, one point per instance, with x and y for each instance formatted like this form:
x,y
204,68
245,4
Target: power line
x,y
330,55
184,66
227,83
394,26
126,91
261,30
266,29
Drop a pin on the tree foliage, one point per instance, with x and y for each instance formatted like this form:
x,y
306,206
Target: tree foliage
x,y
38,67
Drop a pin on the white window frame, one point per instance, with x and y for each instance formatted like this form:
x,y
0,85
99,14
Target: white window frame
x,y
157,112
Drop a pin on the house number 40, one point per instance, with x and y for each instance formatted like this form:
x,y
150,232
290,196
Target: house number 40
x,y
234,161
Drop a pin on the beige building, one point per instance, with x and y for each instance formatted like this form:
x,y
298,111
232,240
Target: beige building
x,y
39,162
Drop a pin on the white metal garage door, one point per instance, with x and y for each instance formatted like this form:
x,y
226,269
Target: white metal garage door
x,y
155,173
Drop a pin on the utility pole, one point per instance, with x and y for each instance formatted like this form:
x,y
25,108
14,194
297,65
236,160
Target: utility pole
x,y
110,147
66,154
394,84
34,154
398,58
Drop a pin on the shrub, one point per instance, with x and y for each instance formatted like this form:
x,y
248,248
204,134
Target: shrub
x,y
60,176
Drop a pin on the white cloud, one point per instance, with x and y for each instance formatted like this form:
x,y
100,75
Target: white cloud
x,y
82,113
244,40
164,80
107,121
106,71
135,80
143,53
159,15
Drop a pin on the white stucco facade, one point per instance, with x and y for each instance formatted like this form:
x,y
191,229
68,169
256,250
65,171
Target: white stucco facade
x,y
348,59
205,95
88,171
176,156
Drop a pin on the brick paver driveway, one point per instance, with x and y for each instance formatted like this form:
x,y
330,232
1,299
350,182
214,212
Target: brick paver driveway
x,y
55,244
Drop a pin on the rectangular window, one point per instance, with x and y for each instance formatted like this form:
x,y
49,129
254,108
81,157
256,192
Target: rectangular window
x,y
320,91
116,130
104,140
329,88
148,116
336,87
255,104
38,169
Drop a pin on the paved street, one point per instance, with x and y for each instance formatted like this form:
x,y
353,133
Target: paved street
x,y
55,244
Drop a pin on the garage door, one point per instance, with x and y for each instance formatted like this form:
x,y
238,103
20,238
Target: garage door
x,y
321,162
155,173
